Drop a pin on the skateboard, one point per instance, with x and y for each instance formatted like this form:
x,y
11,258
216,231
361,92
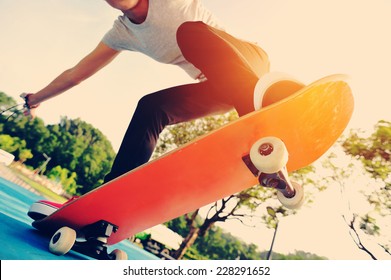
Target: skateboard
x,y
261,147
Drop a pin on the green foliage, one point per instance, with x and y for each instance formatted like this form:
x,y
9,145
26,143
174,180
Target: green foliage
x,y
67,178
10,144
180,225
219,245
25,155
375,154
74,145
369,225
215,244
193,254
374,151
6,101
369,155
16,147
82,149
298,255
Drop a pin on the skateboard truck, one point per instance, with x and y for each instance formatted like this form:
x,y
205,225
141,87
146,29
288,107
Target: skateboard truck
x,y
267,161
94,244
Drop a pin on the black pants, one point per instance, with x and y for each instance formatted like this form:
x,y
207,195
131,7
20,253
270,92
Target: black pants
x,y
232,68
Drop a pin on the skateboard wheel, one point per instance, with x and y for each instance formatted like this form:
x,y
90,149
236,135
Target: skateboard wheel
x,y
62,241
294,202
165,252
269,155
119,255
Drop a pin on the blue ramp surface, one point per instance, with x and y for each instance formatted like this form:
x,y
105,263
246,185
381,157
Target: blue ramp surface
x,y
20,241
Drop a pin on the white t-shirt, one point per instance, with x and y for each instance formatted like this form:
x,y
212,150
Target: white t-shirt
x,y
156,36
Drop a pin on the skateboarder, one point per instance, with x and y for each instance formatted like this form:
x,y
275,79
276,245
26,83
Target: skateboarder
x,y
178,32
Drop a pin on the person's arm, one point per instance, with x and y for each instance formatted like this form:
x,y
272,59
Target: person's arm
x,y
89,65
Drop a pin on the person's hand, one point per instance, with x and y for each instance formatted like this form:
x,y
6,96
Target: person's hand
x,y
28,108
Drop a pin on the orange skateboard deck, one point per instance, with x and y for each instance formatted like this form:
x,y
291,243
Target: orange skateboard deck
x,y
211,167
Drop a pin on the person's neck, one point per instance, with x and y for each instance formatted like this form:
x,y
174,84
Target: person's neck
x,y
138,13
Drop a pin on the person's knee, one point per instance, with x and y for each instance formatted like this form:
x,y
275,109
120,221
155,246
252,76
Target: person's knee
x,y
187,32
189,27
190,39
148,104
150,109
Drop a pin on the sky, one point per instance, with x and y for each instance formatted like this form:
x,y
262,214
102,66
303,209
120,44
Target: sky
x,y
307,39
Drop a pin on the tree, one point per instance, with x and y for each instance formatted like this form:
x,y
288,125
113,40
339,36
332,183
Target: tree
x,y
7,107
83,149
73,144
6,101
9,144
25,155
220,211
374,152
33,132
15,146
220,245
368,155
67,178
298,255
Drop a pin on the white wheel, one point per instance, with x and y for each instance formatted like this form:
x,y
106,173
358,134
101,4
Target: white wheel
x,y
269,155
270,79
62,241
119,255
165,251
293,202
